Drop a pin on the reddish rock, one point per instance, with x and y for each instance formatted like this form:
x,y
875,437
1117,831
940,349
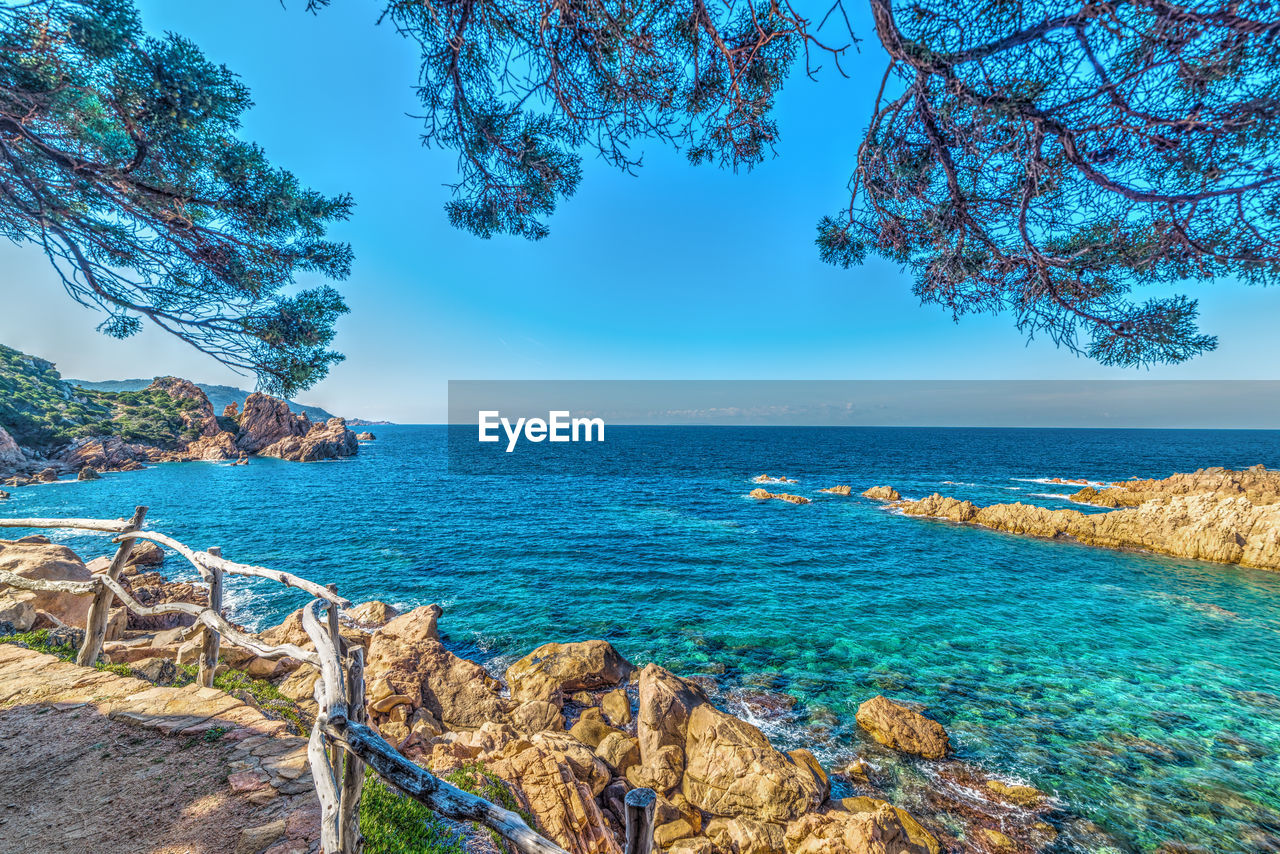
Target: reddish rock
x,y
328,441
267,420
200,416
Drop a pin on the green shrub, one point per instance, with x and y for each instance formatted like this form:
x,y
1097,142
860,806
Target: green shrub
x,y
394,824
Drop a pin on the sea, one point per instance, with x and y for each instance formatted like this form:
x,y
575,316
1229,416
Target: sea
x,y
1142,692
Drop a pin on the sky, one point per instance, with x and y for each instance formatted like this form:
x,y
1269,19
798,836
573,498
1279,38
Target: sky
x,y
679,272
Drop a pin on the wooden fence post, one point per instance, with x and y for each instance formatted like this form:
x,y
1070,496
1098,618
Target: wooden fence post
x,y
640,808
95,625
212,640
353,769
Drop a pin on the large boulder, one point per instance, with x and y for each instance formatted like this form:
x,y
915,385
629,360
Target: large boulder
x,y
105,454
152,588
330,440
732,770
897,727
882,493
37,558
839,832
562,805
267,420
666,703
746,836
555,670
215,448
372,614
916,832
408,665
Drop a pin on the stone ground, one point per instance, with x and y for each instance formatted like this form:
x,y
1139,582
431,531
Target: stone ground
x,y
105,764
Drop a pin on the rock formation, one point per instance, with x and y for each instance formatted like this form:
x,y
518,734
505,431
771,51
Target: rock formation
x,y
838,490
198,414
36,558
897,727
764,478
366,436
329,440
1233,520
107,454
882,493
267,420
764,494
554,670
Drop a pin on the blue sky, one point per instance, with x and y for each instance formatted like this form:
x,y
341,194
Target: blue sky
x,y
680,273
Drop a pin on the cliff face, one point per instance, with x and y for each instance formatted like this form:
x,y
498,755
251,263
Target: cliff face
x,y
1212,514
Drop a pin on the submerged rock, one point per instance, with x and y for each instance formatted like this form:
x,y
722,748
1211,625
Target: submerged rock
x,y
764,494
897,727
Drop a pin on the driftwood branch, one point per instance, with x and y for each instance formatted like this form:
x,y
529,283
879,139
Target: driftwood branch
x,y
111,526
331,676
216,622
205,563
326,782
440,796
75,588
210,645
95,624
353,768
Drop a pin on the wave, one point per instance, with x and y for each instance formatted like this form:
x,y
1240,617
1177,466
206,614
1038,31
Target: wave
x,y
1060,481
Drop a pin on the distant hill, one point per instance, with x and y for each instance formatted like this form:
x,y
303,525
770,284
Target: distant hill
x,y
219,395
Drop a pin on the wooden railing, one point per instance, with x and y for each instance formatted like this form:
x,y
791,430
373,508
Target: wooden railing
x,y
341,743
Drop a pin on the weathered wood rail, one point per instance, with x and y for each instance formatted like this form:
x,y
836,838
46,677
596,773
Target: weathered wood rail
x,y
341,743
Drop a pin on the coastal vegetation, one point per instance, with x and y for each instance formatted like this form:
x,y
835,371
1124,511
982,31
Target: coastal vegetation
x,y
42,411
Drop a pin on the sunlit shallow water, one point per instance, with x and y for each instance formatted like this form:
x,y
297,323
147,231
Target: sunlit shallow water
x,y
1143,692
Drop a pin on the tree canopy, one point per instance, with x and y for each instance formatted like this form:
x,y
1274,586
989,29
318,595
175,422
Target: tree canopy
x,y
1043,157
1047,158
119,156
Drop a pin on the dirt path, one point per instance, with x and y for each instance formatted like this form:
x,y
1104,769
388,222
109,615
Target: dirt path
x,y
99,763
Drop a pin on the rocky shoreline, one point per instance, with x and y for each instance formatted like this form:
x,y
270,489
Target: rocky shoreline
x,y
1214,514
571,727
265,428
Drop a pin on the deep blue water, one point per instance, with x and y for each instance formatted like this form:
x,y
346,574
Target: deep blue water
x,y
1140,690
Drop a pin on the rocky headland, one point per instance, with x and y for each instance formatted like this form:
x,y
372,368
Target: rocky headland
x,y
571,727
50,429
1212,514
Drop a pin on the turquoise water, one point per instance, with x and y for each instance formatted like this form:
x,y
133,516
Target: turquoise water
x,y
1141,691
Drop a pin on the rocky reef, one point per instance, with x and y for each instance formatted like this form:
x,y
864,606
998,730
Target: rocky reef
x,y
571,727
1211,514
762,494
